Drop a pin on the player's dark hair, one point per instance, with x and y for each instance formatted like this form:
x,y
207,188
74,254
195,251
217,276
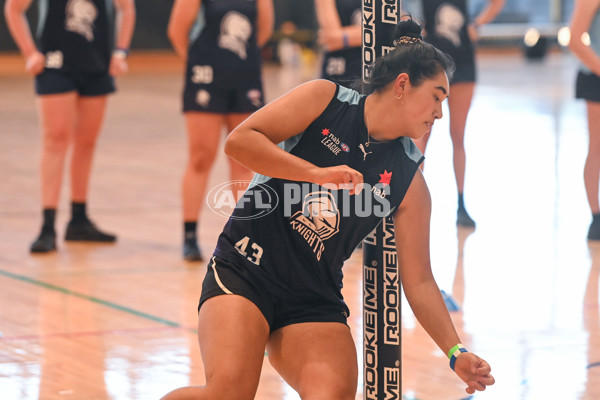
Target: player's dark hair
x,y
412,55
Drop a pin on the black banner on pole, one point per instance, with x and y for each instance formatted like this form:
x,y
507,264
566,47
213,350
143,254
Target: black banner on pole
x,y
379,18
382,352
382,365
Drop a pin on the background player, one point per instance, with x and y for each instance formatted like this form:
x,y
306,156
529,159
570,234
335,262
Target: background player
x,y
586,18
448,27
340,35
220,43
74,65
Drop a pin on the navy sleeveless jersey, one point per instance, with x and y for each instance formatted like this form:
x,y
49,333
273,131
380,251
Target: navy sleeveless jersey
x,y
76,35
295,236
224,38
345,64
446,26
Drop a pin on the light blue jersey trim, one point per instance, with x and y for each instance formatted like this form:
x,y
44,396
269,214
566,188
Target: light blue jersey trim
x,y
198,26
286,145
111,23
42,17
348,95
109,10
411,149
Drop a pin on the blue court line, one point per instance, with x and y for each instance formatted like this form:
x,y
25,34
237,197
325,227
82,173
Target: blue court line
x,y
93,299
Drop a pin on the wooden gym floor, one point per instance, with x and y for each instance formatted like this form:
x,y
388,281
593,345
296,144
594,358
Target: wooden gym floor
x,y
118,321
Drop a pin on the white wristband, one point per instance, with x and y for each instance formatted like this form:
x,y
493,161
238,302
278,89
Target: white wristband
x,y
120,53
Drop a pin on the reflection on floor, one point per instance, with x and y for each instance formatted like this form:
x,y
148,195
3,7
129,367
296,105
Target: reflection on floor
x,y
118,322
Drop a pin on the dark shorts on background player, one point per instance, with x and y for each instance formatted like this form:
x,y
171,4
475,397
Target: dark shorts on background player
x,y
587,86
86,84
464,73
223,99
224,278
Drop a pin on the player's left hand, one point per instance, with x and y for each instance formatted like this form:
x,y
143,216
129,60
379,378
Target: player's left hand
x,y
473,33
474,371
331,39
118,66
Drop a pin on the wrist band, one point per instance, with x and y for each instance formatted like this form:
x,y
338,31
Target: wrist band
x,y
454,352
120,53
345,40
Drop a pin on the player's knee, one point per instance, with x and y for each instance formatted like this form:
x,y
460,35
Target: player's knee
x,y
231,387
230,393
330,390
85,142
201,162
56,139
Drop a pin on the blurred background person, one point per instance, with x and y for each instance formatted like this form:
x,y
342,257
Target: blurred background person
x,y
586,19
220,42
449,28
340,35
74,63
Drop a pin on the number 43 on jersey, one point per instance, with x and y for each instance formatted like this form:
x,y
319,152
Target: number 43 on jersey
x,y
255,250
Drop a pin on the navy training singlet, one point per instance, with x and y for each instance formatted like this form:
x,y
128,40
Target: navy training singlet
x,y
446,25
295,236
224,40
75,35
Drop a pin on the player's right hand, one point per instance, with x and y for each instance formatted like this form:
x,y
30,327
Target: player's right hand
x,y
34,64
339,176
474,371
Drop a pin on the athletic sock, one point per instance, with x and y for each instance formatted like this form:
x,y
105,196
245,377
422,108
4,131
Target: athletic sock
x,y
461,201
594,230
49,215
78,212
189,229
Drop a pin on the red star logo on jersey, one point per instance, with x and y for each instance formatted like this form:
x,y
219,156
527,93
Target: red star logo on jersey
x,y
325,132
386,177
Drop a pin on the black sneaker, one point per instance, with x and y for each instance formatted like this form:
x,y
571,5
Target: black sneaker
x,y
45,243
191,251
594,231
86,231
463,218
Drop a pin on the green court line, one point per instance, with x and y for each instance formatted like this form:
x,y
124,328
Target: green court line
x,y
93,299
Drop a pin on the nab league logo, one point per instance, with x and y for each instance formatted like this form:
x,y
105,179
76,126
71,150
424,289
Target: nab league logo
x,y
382,188
333,143
318,221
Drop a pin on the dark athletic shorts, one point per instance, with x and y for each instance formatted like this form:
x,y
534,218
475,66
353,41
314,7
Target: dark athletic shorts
x,y
237,96
587,86
465,72
223,100
223,277
86,84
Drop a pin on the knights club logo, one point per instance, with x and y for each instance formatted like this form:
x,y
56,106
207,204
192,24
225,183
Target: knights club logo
x,y
318,221
80,16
